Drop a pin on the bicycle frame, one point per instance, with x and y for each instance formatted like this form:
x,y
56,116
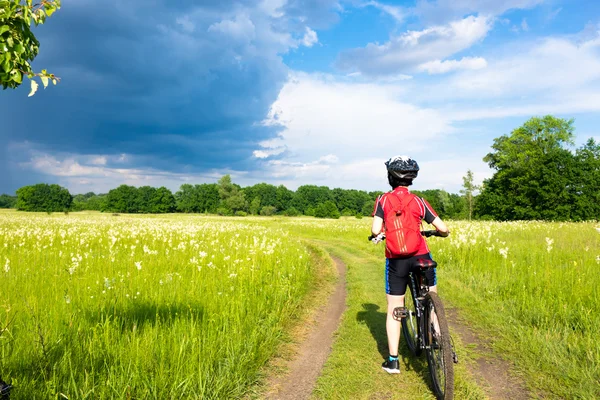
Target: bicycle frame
x,y
421,290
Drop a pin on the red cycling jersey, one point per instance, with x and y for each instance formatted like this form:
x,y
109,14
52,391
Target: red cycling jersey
x,y
419,208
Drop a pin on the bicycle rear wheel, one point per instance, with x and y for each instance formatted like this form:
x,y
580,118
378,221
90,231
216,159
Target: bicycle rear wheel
x,y
439,348
410,324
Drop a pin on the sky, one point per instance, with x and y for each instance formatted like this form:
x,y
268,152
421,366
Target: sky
x,y
294,92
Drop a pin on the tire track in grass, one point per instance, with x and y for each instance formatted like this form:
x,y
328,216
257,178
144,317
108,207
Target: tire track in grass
x,y
491,372
299,382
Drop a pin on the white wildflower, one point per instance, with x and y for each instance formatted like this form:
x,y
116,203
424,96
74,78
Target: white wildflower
x,y
138,265
549,243
7,266
232,275
202,254
503,252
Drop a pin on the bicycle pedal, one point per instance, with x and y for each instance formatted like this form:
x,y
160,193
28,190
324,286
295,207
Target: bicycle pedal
x,y
454,358
399,313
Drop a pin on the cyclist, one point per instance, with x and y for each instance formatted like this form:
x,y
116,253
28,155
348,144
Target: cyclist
x,y
401,172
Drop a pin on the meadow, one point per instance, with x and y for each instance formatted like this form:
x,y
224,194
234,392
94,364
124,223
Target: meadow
x,y
529,288
180,306
142,307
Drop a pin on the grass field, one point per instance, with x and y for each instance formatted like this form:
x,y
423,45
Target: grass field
x,y
531,288
142,307
98,306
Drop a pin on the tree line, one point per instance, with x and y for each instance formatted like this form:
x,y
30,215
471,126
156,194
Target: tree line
x,y
222,198
537,177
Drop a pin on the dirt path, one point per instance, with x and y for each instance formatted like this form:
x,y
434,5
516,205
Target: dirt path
x,y
299,382
491,371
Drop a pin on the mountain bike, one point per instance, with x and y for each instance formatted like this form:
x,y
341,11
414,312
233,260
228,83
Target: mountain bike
x,y
424,327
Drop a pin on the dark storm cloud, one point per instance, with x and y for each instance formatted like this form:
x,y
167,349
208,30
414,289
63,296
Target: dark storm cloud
x,y
180,86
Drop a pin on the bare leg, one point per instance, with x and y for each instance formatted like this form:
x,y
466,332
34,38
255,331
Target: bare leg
x,y
391,325
434,319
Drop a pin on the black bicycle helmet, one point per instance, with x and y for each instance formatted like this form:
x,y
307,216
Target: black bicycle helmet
x,y
402,167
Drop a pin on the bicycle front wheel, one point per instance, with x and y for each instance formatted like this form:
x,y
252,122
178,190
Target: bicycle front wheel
x,y
439,348
410,324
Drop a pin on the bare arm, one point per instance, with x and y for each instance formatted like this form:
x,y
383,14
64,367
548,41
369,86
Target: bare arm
x,y
377,226
440,226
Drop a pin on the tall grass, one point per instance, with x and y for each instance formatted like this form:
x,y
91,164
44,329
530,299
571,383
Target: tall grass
x,y
142,307
536,285
533,288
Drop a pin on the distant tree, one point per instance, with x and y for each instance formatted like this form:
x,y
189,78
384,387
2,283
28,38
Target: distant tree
x,y
255,206
268,211
87,201
162,201
198,198
291,212
187,199
266,193
232,198
143,199
310,196
123,199
586,182
368,207
327,210
283,198
43,197
535,173
469,189
7,201
18,44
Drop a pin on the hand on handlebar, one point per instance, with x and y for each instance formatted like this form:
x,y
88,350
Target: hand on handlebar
x,y
377,238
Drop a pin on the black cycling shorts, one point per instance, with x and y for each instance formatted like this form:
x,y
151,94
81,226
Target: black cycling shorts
x,y
396,273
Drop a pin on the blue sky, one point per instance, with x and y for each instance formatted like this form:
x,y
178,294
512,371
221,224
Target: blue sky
x,y
294,92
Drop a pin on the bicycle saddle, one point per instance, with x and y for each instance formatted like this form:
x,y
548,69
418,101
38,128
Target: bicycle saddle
x,y
425,263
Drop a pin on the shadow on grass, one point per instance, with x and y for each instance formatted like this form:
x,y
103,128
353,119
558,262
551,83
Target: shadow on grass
x,y
139,314
375,320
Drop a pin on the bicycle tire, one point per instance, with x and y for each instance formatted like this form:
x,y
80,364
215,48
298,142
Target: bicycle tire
x,y
410,324
439,351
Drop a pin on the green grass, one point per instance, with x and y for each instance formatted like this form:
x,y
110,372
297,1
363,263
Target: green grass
x,y
142,307
179,306
531,288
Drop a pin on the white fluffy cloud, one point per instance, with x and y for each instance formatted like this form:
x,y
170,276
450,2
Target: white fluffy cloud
x,y
440,11
406,52
441,67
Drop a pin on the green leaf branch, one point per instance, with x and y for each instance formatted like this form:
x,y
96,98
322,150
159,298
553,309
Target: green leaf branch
x,y
18,44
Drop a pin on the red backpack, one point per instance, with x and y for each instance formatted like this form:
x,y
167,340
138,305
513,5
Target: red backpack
x,y
402,230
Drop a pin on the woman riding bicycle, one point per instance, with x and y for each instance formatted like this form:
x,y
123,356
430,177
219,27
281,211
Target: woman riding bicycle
x,y
401,172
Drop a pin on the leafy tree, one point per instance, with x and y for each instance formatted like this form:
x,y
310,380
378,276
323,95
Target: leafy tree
x,y
291,212
267,194
162,201
123,199
367,208
198,198
18,44
232,198
255,206
311,196
534,173
7,201
283,198
143,199
187,199
43,197
469,188
268,211
586,182
327,210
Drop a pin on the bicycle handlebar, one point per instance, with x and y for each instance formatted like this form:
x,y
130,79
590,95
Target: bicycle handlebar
x,y
424,233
